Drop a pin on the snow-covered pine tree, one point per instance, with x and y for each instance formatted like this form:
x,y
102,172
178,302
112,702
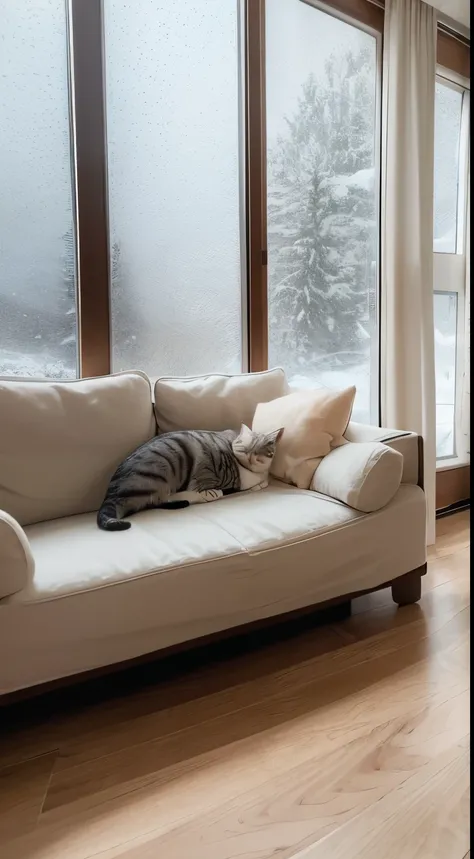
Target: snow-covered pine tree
x,y
321,218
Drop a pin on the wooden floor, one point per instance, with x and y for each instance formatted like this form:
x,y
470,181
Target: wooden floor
x,y
345,741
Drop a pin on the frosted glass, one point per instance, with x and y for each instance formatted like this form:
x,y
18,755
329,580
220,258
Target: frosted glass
x,y
446,171
173,155
322,201
37,256
445,322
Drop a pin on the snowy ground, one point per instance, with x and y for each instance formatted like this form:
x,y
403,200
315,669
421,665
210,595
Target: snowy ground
x,y
359,376
444,431
37,366
344,378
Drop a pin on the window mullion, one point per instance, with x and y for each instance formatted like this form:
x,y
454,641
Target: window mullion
x,y
87,84
463,174
256,197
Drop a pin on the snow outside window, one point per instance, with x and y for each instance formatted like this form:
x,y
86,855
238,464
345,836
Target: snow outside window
x,y
450,194
172,95
323,137
38,283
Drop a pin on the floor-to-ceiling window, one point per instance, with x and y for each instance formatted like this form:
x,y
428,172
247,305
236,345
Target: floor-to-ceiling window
x,y
38,283
323,130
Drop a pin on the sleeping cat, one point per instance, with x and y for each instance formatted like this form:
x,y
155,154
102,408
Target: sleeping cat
x,y
177,469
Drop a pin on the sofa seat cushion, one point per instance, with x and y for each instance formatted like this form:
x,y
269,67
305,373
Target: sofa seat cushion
x,y
189,573
72,555
60,442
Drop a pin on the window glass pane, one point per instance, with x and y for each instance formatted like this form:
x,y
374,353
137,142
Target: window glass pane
x,y
445,321
173,149
37,257
322,201
446,170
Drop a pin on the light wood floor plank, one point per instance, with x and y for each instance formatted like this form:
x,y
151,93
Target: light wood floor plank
x,y
425,818
315,798
23,791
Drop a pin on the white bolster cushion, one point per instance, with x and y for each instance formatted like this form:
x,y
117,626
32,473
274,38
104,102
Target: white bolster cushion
x,y
363,475
16,560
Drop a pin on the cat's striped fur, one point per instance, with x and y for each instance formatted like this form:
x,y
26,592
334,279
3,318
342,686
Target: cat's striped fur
x,y
184,461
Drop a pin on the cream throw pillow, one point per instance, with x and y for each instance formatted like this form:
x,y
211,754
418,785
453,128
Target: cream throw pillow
x,y
314,423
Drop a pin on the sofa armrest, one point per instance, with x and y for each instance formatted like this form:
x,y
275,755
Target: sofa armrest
x,y
364,476
409,444
16,560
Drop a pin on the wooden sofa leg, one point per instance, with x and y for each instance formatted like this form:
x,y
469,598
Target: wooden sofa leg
x,y
406,590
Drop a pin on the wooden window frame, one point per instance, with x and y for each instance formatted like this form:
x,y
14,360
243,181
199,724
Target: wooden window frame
x,y
87,95
364,12
256,185
453,53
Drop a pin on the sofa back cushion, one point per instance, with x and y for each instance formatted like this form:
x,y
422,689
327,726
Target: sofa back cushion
x,y
214,402
60,442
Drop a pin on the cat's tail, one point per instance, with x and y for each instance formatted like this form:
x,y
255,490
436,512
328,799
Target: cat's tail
x,y
107,518
173,505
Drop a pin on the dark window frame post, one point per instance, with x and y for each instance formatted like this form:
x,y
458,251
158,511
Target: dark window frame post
x,y
88,109
256,185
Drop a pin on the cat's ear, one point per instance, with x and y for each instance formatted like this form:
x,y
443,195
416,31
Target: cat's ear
x,y
275,436
245,434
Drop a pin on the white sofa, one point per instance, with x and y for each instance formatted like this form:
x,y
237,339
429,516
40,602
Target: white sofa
x,y
74,598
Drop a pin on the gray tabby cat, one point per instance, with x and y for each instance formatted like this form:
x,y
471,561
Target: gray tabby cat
x,y
177,469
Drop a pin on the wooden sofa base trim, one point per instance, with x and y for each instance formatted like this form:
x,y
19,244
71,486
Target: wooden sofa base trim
x,y
457,507
187,655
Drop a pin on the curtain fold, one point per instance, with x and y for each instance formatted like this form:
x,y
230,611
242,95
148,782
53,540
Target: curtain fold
x,y
408,364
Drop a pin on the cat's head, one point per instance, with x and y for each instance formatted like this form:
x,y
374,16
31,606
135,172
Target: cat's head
x,y
255,450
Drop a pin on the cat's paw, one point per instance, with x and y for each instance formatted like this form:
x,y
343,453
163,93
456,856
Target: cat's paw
x,y
184,499
259,486
211,494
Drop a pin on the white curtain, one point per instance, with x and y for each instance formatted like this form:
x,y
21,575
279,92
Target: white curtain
x,y
408,369
466,387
